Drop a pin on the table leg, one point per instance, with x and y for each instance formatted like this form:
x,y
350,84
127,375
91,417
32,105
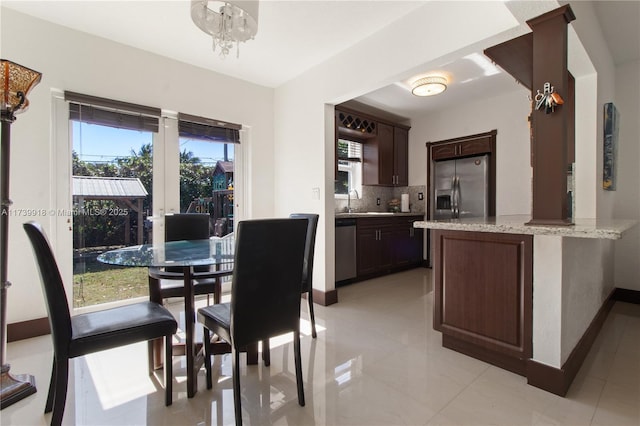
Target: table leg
x,y
190,322
158,344
252,353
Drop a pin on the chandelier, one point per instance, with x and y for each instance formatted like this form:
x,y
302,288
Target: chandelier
x,y
228,22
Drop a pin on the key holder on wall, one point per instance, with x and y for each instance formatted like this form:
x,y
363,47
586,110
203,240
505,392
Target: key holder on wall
x,y
548,99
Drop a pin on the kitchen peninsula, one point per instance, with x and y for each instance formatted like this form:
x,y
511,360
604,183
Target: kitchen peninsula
x,y
527,298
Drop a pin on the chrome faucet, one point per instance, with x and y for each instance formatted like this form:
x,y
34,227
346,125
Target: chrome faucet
x,y
349,209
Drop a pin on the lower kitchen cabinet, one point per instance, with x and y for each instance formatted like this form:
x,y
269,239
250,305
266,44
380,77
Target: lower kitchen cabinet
x,y
387,244
408,242
483,295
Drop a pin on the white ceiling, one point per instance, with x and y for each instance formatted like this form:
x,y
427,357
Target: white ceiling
x,y
470,79
294,36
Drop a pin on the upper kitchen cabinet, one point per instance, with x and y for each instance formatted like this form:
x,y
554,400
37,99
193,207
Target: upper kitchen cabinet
x,y
401,155
355,125
385,145
463,147
385,158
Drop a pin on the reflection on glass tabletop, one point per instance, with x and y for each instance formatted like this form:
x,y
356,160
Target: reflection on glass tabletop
x,y
175,253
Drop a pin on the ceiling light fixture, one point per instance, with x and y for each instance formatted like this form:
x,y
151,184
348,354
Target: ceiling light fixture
x,y
227,22
429,86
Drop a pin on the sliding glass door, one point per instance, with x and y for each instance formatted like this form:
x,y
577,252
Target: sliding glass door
x,y
112,178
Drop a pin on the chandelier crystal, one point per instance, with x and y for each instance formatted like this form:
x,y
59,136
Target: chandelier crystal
x,y
227,22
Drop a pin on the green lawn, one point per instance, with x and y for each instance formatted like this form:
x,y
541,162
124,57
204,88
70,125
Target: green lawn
x,y
109,285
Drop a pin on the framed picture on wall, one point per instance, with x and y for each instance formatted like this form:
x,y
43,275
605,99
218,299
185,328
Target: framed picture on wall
x,y
610,154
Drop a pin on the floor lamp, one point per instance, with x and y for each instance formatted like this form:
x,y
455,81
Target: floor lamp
x,y
16,82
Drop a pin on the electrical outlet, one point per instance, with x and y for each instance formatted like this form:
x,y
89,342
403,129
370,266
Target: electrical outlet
x,y
377,201
420,196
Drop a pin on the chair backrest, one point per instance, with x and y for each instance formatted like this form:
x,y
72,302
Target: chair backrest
x,y
265,294
309,248
52,287
186,226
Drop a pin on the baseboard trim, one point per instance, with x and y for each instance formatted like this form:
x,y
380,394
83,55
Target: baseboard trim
x,y
28,329
518,366
325,298
626,295
558,380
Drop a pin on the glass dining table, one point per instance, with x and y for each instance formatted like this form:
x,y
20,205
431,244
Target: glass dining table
x,y
214,252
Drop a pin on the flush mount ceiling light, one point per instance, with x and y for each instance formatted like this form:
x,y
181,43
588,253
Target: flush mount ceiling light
x,y
429,86
227,22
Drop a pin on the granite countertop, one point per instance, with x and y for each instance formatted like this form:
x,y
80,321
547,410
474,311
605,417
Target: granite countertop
x,y
582,228
376,214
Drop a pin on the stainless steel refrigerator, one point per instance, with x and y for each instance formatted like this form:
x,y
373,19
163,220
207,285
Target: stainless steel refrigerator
x,y
460,188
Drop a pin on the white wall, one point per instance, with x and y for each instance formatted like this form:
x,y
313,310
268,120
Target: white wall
x,y
508,115
568,291
587,28
586,285
627,196
547,299
70,60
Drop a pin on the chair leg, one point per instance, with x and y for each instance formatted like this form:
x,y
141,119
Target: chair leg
x,y
52,388
206,341
237,405
61,383
150,356
168,368
266,352
311,314
298,361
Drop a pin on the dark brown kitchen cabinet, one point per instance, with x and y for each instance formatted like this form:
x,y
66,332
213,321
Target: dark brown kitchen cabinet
x,y
385,146
377,153
408,242
374,245
464,148
387,244
385,158
401,156
483,295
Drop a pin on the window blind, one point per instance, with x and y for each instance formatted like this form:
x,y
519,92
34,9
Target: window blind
x,y
190,126
112,113
349,150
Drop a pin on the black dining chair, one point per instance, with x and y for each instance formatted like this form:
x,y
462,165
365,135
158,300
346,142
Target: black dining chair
x,y
92,332
265,295
307,275
169,282
307,272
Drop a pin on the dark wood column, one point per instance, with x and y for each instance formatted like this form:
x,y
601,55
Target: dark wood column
x,y
549,139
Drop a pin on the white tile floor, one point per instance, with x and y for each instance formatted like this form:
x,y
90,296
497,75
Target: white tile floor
x,y
376,361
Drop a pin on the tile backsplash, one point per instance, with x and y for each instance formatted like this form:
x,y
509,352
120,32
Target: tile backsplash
x,y
367,201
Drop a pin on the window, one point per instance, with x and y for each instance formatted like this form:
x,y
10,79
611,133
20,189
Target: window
x,y
207,152
349,176
112,157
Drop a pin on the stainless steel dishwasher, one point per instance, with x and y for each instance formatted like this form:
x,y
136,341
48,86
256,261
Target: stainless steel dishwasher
x,y
345,249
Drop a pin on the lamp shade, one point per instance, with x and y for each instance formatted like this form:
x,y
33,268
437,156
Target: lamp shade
x,y
17,81
429,86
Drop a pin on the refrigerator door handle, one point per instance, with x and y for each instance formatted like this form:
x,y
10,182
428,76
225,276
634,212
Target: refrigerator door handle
x,y
453,197
456,197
